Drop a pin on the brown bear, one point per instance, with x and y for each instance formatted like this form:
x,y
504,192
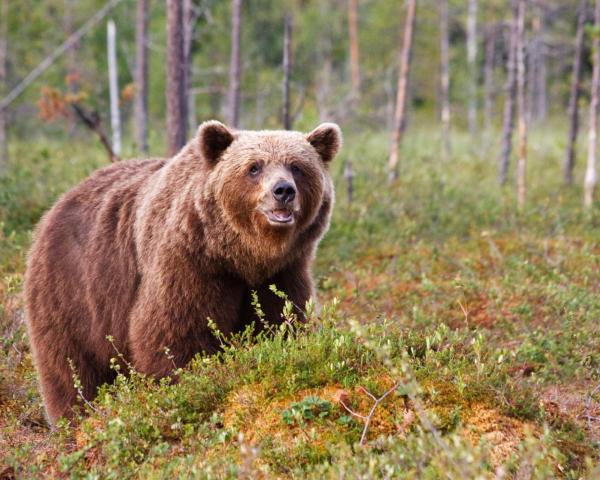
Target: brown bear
x,y
147,250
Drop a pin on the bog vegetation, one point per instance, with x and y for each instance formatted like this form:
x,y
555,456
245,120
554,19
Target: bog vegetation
x,y
458,333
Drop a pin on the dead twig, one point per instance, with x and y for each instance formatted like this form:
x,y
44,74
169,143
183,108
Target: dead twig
x,y
93,121
367,419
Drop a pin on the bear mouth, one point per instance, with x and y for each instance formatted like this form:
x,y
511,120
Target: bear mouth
x,y
280,216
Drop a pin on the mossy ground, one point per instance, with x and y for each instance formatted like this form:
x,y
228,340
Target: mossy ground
x,y
487,319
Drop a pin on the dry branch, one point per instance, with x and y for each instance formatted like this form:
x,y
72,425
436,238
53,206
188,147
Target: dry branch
x,y
93,121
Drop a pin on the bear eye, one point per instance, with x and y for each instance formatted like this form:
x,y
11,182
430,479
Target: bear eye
x,y
296,169
254,170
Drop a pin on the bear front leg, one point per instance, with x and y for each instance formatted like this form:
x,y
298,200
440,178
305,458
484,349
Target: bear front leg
x,y
176,318
296,282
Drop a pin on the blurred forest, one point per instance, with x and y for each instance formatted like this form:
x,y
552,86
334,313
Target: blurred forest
x,y
327,80
460,279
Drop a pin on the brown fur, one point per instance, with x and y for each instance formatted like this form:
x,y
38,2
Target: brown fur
x,y
147,250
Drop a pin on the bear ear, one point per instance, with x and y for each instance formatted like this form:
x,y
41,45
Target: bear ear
x,y
213,139
326,139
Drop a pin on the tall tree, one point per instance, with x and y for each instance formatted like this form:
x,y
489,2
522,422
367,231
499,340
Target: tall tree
x,y
537,92
471,59
401,95
444,77
176,99
72,66
141,76
591,175
287,70
488,74
574,96
354,49
3,82
189,22
115,114
521,107
509,100
235,67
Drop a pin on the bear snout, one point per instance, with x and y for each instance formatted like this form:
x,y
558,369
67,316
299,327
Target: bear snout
x,y
284,192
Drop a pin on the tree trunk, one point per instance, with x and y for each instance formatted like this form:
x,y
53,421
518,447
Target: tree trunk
x,y
235,65
591,176
141,76
537,95
323,81
488,85
287,70
3,82
113,76
444,78
72,77
522,107
471,59
509,101
176,99
541,81
354,50
399,117
189,25
574,97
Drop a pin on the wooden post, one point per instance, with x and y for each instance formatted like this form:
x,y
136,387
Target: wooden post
x,y
235,67
401,95
574,96
354,48
591,176
287,70
488,74
444,78
509,101
471,60
189,25
522,108
176,101
349,176
115,116
3,82
141,76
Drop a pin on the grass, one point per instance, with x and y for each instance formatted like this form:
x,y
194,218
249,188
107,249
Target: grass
x,y
482,321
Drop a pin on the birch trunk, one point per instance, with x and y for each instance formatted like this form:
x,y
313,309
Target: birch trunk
x,y
354,48
287,69
471,60
72,68
401,96
323,81
444,78
574,96
189,21
488,82
591,176
522,108
141,76
509,101
115,114
3,82
235,65
176,100
541,86
537,95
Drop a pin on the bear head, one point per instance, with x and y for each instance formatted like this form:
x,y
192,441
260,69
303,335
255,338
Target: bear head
x,y
269,186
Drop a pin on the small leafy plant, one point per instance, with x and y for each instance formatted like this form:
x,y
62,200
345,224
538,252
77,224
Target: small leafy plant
x,y
310,408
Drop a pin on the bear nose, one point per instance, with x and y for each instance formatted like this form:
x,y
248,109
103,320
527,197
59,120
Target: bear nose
x,y
284,191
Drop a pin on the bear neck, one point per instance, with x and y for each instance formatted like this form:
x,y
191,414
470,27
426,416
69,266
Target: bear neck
x,y
253,258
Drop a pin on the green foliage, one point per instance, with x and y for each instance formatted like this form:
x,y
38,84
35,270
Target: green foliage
x,y
436,282
310,408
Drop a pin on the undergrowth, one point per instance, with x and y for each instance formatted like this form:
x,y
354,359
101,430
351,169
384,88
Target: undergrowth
x,y
479,326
